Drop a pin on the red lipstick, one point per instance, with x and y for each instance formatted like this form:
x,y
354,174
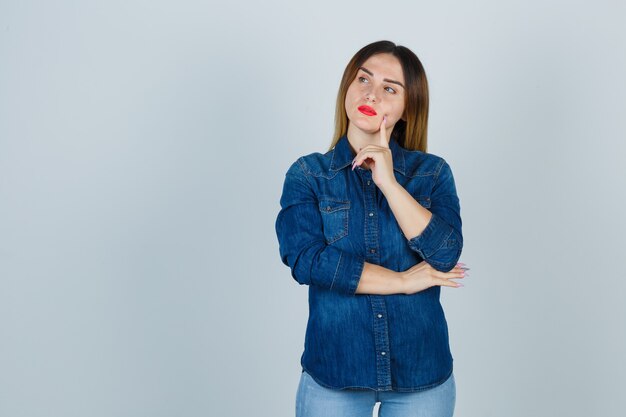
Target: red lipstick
x,y
367,110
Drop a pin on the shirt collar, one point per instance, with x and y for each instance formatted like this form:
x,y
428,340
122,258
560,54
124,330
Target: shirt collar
x,y
342,155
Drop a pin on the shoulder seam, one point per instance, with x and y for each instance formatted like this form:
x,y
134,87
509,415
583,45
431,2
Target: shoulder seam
x,y
304,170
442,162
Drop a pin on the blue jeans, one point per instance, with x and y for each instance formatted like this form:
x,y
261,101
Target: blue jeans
x,y
314,400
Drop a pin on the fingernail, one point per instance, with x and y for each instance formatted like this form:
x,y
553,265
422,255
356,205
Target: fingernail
x,y
460,263
460,285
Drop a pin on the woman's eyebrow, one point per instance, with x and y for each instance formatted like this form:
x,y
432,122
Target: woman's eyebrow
x,y
386,79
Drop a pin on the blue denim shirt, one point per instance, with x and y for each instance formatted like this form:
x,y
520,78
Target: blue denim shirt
x,y
332,220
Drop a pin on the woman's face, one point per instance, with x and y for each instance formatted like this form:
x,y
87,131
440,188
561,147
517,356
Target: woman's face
x,y
376,85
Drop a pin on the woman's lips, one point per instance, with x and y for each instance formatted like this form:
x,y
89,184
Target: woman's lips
x,y
367,110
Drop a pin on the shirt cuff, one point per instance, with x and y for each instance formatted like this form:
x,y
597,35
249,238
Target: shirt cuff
x,y
348,273
432,238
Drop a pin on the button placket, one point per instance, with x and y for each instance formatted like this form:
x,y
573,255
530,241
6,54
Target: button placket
x,y
381,342
371,221
378,303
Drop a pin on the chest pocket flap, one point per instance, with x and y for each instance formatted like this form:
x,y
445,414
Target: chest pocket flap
x,y
335,218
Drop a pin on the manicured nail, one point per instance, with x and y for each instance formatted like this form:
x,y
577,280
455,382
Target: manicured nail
x,y
460,263
460,285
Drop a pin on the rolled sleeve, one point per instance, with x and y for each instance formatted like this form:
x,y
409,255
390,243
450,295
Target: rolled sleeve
x,y
441,242
302,246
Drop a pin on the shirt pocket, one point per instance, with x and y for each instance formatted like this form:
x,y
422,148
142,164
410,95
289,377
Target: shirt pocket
x,y
335,218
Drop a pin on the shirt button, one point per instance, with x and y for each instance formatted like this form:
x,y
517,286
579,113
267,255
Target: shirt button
x,y
382,353
380,315
368,182
371,214
373,250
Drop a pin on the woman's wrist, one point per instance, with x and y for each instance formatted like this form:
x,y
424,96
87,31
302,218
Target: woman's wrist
x,y
376,279
400,282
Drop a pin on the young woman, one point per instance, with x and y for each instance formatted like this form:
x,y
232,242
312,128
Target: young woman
x,y
373,227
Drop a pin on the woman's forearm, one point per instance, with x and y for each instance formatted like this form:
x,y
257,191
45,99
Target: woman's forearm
x,y
410,215
376,279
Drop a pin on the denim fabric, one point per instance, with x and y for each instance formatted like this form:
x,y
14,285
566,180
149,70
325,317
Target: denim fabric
x,y
332,220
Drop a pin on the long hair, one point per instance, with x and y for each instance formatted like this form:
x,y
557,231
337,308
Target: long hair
x,y
410,134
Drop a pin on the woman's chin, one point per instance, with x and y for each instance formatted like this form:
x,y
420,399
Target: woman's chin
x,y
365,126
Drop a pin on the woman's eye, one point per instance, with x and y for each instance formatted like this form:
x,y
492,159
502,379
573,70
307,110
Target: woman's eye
x,y
391,90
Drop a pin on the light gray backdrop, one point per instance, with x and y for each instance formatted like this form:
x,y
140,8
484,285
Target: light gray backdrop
x,y
143,147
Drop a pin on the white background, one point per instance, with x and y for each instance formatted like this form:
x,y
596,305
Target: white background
x,y
143,146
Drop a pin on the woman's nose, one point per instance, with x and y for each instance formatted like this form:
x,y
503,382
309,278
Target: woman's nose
x,y
371,94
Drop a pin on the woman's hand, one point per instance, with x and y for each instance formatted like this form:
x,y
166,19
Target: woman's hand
x,y
378,158
422,276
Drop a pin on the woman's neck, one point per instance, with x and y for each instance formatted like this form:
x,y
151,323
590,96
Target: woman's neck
x,y
359,139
